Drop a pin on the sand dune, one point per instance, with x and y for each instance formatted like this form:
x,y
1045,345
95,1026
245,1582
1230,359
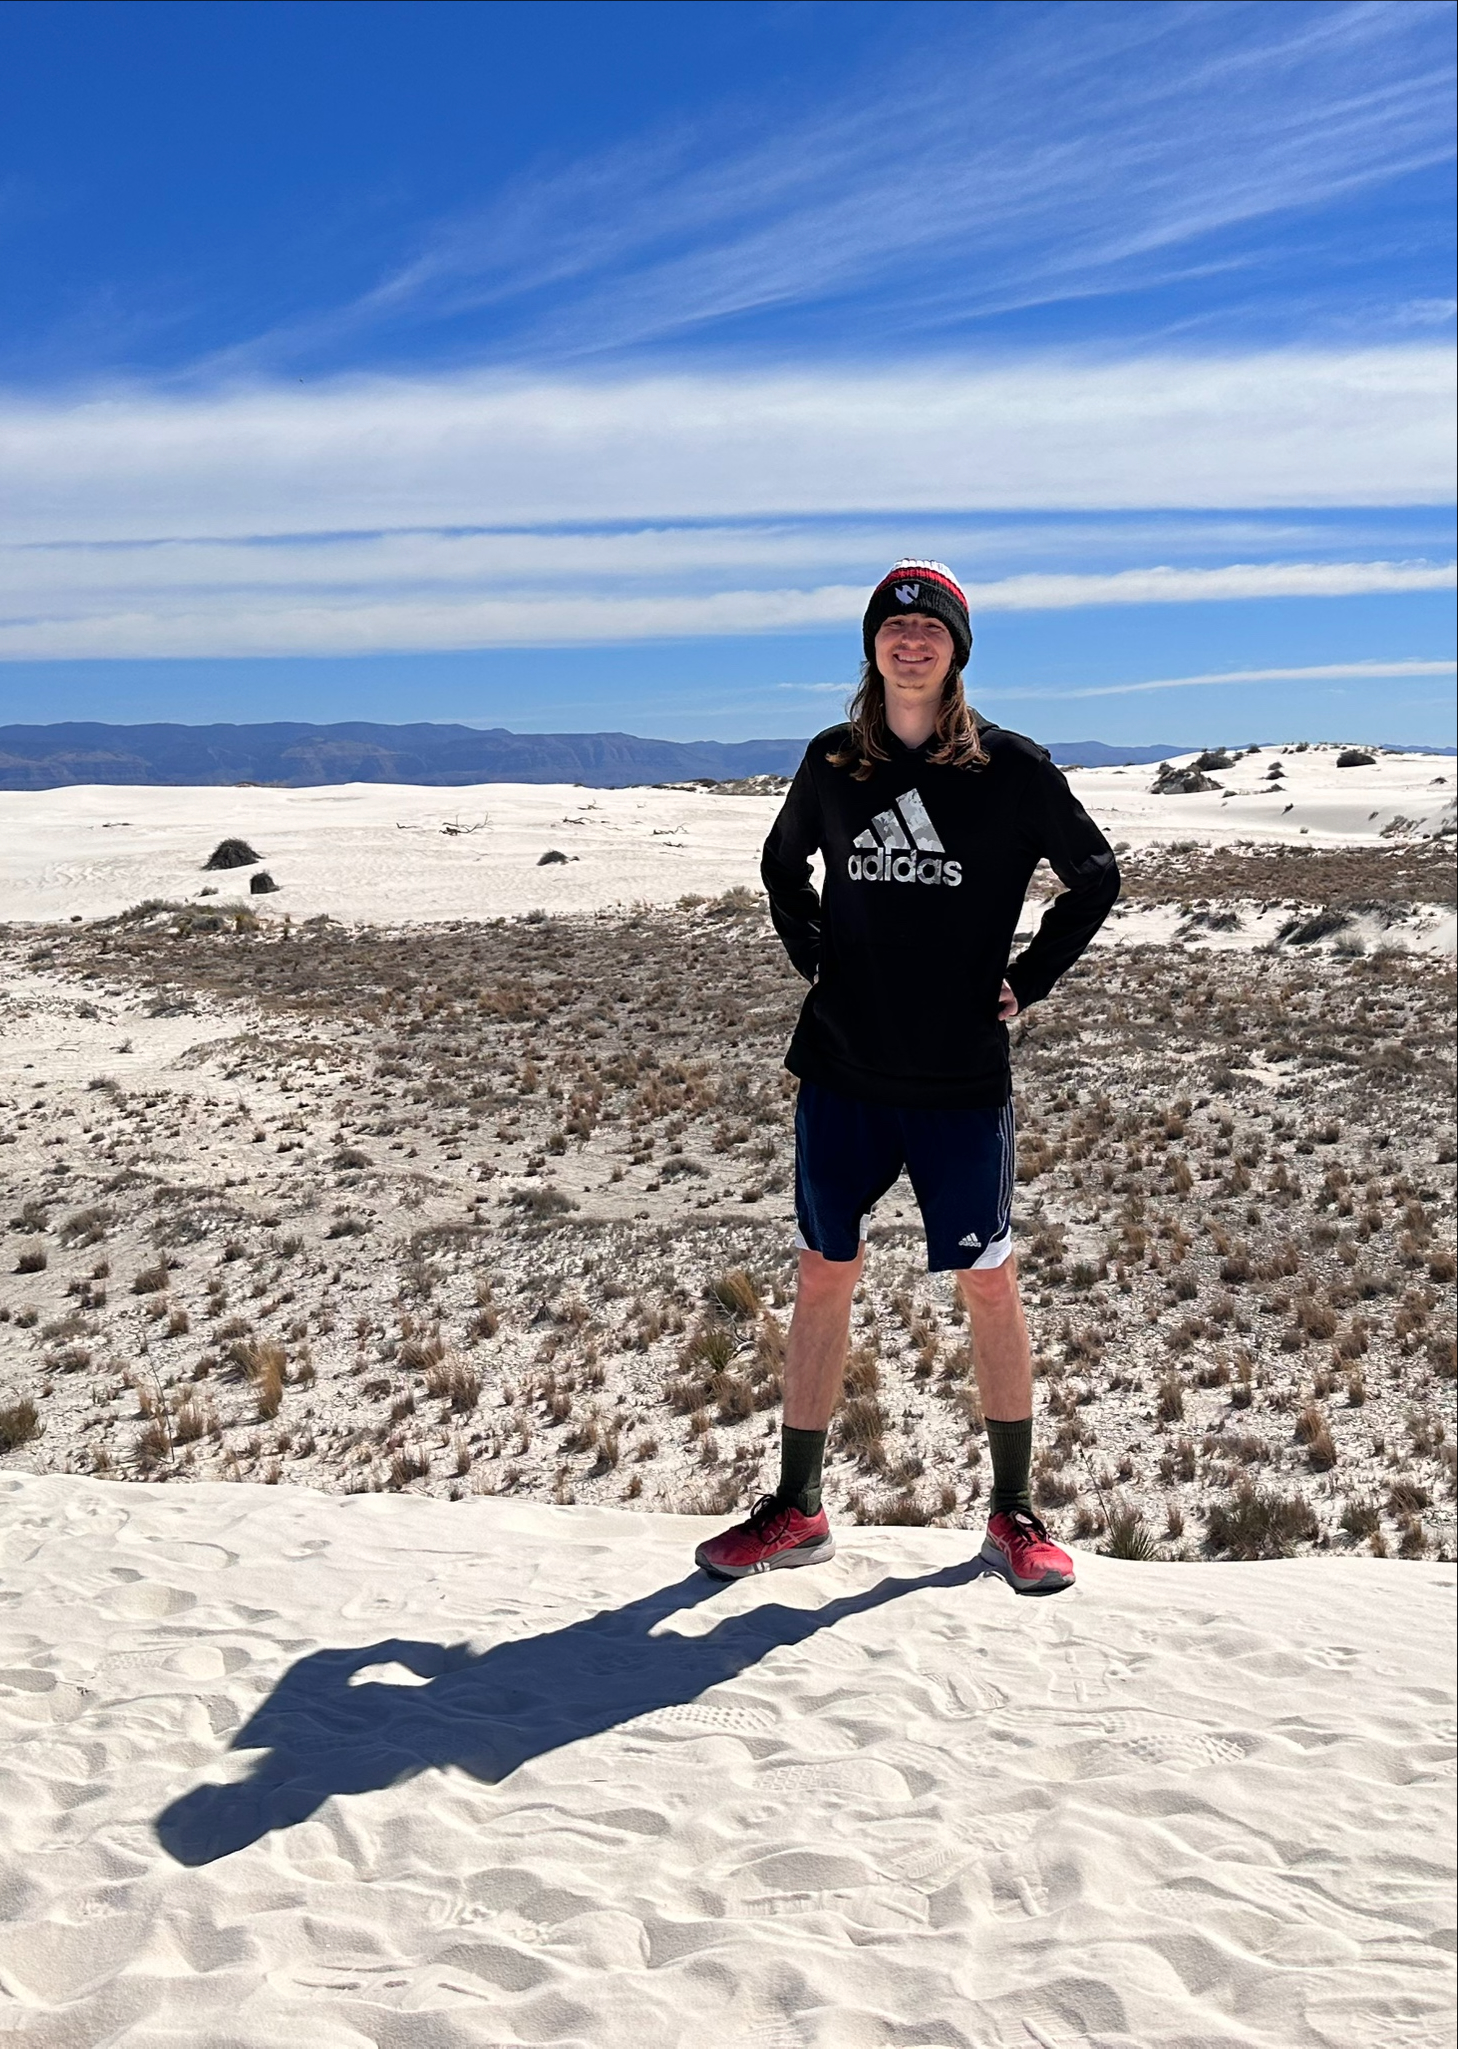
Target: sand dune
x,y
284,1767
385,1768
391,854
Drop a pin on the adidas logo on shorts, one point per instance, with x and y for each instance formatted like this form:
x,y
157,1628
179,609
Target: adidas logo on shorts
x,y
902,846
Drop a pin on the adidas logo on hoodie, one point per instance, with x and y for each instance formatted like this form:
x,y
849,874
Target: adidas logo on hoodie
x,y
902,846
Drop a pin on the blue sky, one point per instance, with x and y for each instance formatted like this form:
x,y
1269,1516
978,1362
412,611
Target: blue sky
x,y
571,366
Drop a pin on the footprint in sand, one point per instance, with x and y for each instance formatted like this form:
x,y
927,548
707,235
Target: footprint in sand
x,y
200,1557
206,1661
31,1696
699,1714
147,1601
864,1778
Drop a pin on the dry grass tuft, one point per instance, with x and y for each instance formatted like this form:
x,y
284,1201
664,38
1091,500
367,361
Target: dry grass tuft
x,y
1256,1523
453,1381
20,1424
736,1293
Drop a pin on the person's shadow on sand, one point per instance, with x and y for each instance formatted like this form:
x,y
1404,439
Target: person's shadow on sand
x,y
486,1713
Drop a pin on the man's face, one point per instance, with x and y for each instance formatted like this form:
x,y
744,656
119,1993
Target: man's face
x,y
914,654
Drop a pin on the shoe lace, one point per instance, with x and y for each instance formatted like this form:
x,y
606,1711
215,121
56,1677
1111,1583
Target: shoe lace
x,y
1032,1525
766,1512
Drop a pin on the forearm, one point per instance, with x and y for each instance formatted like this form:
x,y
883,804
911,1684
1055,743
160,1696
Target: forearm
x,y
1067,930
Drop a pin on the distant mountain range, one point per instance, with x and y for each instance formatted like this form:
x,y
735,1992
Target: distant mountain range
x,y
50,757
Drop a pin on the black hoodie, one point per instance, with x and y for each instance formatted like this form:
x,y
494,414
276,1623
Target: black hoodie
x,y
926,870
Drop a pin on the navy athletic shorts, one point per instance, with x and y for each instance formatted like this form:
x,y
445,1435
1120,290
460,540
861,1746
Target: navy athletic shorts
x,y
960,1164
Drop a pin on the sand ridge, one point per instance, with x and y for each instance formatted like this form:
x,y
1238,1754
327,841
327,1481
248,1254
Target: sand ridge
x,y
361,1771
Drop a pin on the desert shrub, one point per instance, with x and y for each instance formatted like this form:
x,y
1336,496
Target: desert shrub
x,y
1170,1399
1426,1431
860,1428
1280,1263
453,1381
263,1361
411,1462
709,1345
1306,931
1353,1341
1053,1489
899,1510
20,1424
1413,1542
262,884
734,1398
1360,1519
349,1158
1313,1430
417,1353
1129,1535
544,1201
347,1227
152,1444
1259,1523
86,1227
735,1292
1406,1497
151,1280
1178,1462
196,1417
609,1452
1316,1318
231,854
32,1259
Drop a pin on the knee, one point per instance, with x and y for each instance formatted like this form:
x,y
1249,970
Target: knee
x,y
826,1280
989,1284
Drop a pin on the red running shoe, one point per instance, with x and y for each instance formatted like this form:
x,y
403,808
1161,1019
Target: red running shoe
x,y
1019,1546
775,1535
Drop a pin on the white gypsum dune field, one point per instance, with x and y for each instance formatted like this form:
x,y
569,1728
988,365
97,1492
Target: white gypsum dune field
x,y
394,1270
388,854
288,1767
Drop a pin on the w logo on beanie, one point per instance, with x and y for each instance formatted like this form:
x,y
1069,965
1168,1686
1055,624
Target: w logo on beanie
x,y
907,593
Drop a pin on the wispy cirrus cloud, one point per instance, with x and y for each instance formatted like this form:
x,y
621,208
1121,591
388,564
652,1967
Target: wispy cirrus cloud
x,y
1312,672
1048,155
449,513
1276,428
325,618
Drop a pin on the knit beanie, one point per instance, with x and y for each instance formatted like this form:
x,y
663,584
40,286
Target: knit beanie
x,y
930,587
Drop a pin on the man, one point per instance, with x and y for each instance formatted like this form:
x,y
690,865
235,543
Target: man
x,y
931,825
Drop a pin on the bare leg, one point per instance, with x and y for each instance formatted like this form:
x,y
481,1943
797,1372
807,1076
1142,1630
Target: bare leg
x,y
999,1340
819,1333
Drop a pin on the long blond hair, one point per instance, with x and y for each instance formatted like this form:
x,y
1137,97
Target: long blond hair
x,y
958,735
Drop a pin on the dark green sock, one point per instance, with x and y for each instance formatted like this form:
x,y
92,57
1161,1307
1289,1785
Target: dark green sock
x,y
1011,1445
802,1453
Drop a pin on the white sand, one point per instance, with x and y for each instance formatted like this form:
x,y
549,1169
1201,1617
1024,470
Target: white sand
x,y
588,1800
394,854
584,1798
